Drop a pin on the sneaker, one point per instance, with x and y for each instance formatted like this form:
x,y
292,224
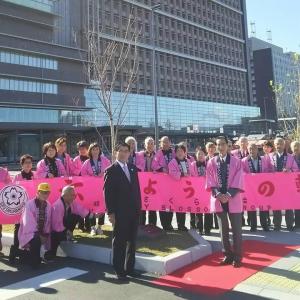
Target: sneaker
x,y
99,231
93,231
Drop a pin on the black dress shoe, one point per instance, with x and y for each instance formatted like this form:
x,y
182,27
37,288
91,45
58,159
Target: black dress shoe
x,y
121,277
277,228
182,228
237,263
133,274
226,261
266,228
207,232
290,228
252,229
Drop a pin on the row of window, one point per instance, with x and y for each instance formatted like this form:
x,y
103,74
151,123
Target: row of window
x,y
27,86
28,60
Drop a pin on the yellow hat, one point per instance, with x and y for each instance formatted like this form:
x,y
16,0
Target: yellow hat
x,y
44,187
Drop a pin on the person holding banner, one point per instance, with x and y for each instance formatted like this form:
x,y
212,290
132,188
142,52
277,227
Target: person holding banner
x,y
224,181
295,146
82,148
242,152
50,166
180,166
123,203
131,141
63,156
199,167
66,212
211,152
256,164
95,166
281,161
25,174
4,177
161,161
35,226
144,163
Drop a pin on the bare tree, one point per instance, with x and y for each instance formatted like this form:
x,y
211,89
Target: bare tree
x,y
112,67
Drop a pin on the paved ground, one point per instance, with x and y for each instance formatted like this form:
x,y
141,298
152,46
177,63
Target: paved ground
x,y
76,279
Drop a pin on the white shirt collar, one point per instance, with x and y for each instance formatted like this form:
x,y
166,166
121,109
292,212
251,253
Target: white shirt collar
x,y
122,165
223,157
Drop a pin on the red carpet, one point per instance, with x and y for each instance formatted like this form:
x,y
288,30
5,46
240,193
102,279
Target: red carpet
x,y
207,277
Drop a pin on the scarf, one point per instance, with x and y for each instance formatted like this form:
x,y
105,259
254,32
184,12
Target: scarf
x,y
96,169
168,155
27,176
148,160
52,166
181,168
201,168
42,214
251,165
275,161
83,158
132,159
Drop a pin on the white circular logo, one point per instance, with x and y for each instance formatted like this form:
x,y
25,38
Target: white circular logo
x,y
12,199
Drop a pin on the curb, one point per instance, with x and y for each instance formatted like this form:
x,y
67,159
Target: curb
x,y
144,262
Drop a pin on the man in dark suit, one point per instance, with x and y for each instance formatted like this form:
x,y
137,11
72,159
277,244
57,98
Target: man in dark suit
x,y
123,203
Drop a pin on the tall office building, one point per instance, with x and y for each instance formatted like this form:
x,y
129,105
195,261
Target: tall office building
x,y
41,75
201,62
271,68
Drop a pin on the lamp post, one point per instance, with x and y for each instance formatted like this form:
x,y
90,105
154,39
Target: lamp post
x,y
154,79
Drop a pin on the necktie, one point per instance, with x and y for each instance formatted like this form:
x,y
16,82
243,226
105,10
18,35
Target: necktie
x,y
126,171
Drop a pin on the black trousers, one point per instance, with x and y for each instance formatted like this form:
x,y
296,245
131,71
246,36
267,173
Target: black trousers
x,y
198,222
14,248
57,237
33,257
166,219
263,217
297,218
87,223
289,218
180,217
124,243
152,218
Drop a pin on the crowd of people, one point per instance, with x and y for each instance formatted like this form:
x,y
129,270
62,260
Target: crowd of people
x,y
220,161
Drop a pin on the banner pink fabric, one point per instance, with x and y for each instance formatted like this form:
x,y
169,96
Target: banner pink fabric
x,y
159,191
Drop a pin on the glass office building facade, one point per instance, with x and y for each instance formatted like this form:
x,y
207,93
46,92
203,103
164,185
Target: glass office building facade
x,y
174,114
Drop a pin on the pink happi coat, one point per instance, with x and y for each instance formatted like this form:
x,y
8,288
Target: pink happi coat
x,y
18,177
237,153
235,180
174,169
195,168
86,169
265,165
42,170
159,160
77,165
140,161
68,164
29,224
4,176
291,163
58,211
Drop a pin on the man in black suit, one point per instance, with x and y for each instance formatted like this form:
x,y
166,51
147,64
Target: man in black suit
x,y
123,203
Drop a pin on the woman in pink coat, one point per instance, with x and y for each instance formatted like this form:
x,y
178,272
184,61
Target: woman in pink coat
x,y
63,156
82,148
35,225
25,174
50,166
5,178
144,163
95,166
199,169
180,166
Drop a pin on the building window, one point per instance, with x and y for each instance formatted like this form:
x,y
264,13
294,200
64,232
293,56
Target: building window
x,y
28,86
28,60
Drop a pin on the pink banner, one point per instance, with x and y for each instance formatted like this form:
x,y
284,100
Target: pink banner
x,y
159,192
